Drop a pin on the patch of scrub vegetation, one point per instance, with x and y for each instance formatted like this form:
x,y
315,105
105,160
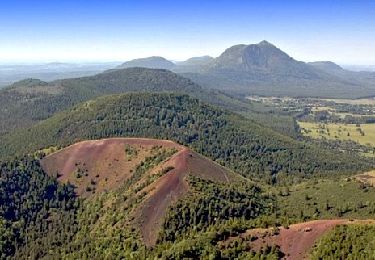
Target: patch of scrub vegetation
x,y
145,165
346,242
326,198
130,152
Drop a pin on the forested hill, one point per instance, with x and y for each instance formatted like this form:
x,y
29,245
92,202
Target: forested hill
x,y
231,140
30,101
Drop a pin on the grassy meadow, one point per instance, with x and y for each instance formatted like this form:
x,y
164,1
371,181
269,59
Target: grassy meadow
x,y
363,134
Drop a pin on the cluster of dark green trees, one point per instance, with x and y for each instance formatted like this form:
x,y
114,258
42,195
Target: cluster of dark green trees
x,y
347,242
208,203
36,213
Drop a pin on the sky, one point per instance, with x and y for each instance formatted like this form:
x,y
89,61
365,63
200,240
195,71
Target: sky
x,y
342,31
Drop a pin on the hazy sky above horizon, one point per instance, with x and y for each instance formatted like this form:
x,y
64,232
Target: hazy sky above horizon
x,y
77,30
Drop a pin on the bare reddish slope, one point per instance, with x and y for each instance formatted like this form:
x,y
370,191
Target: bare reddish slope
x,y
103,162
172,186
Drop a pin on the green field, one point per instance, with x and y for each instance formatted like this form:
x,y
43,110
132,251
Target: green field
x,y
362,101
363,134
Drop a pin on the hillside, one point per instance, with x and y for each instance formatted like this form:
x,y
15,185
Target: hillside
x,y
231,140
30,101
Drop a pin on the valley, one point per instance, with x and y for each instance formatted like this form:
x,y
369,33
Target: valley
x,y
337,123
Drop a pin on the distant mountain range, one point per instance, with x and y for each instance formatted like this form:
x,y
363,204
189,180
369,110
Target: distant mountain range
x,y
50,71
261,69
264,69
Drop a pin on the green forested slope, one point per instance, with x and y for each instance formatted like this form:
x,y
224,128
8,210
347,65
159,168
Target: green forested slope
x,y
36,213
346,242
233,141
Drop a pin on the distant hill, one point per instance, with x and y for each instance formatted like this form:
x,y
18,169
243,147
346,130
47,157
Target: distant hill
x,y
29,83
363,78
150,62
327,66
50,71
261,58
195,64
196,61
26,102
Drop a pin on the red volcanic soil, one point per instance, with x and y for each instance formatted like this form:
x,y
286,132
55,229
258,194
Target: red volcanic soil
x,y
295,241
103,163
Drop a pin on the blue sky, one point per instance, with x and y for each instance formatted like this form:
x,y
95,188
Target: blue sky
x,y
108,30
